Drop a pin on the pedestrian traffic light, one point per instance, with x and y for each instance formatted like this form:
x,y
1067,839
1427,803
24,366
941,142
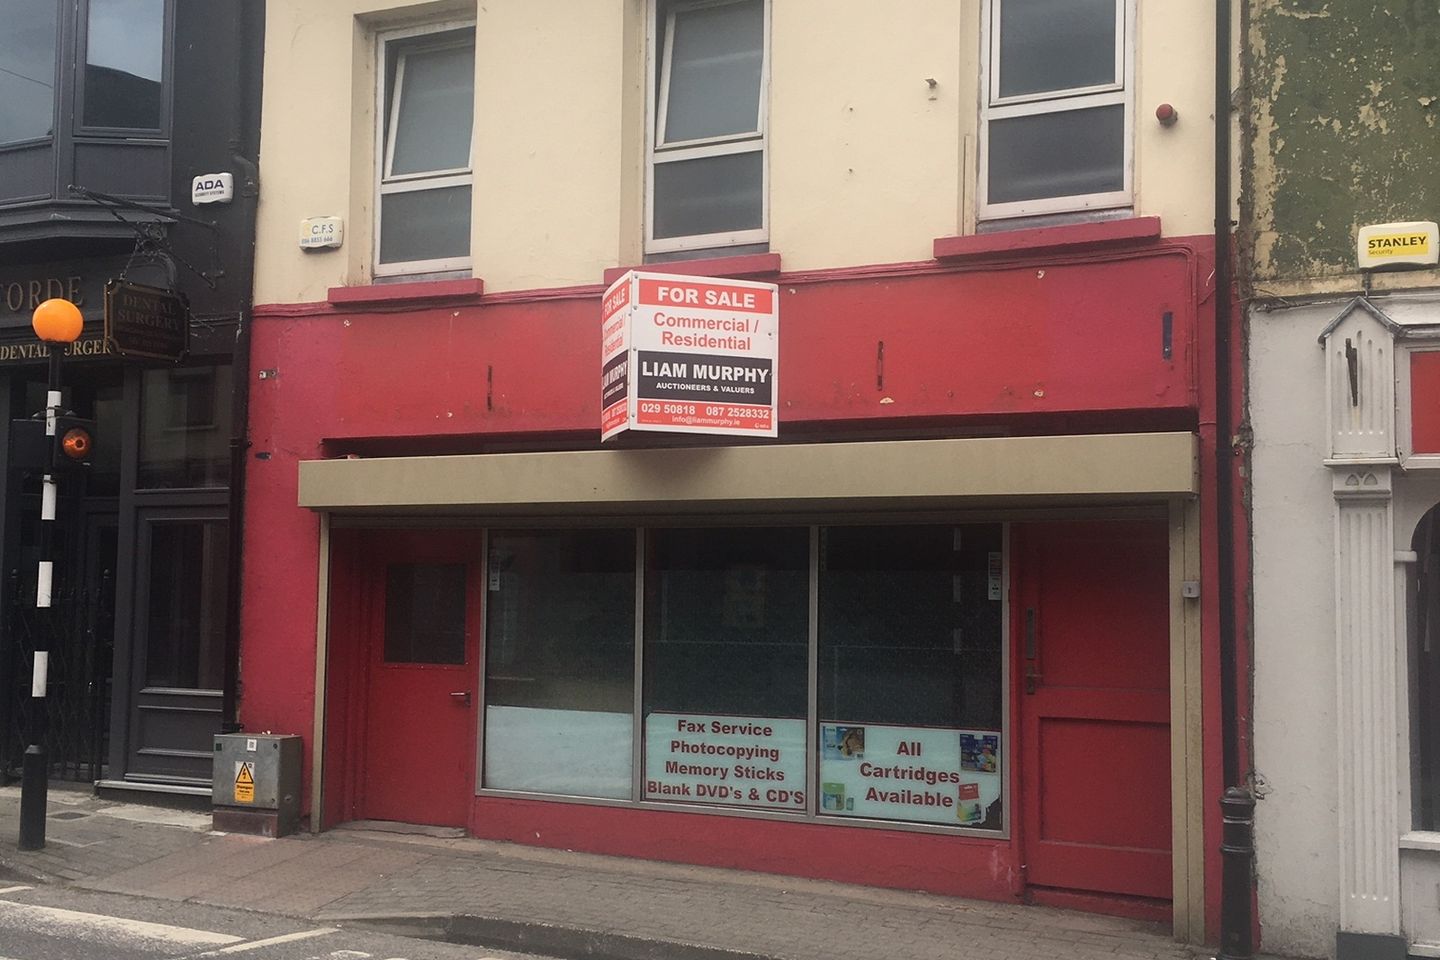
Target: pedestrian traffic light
x,y
74,444
29,447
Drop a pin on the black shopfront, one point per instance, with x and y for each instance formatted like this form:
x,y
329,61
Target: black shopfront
x,y
118,106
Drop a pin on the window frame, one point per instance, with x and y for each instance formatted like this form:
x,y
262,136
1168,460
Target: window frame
x,y
167,81
1120,91
658,151
384,149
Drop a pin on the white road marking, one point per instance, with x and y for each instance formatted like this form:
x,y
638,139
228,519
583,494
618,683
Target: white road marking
x,y
269,942
339,955
13,890
55,921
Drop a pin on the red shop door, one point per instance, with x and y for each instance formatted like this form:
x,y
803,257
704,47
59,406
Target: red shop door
x,y
1092,624
418,761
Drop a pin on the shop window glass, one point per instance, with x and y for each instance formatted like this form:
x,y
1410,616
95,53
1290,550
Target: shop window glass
x,y
425,613
560,662
124,63
726,666
27,70
185,427
185,624
910,673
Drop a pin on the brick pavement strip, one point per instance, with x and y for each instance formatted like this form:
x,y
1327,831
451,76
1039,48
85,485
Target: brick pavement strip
x,y
109,843
350,875
727,910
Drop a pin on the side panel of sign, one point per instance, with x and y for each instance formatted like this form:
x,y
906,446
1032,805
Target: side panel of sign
x,y
615,379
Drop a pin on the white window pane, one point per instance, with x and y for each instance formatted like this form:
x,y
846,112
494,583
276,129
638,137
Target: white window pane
x,y
1065,154
575,753
425,225
436,111
709,195
716,57
27,82
1056,45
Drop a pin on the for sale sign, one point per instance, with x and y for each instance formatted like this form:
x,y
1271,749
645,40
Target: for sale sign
x,y
689,355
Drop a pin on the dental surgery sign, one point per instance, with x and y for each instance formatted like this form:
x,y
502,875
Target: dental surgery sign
x,y
689,355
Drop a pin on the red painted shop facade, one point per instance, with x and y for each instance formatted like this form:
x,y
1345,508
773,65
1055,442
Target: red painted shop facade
x,y
932,636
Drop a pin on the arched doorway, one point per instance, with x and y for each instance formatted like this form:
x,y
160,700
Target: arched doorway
x,y
1423,617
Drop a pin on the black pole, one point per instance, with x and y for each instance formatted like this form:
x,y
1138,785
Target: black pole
x,y
1237,846
35,773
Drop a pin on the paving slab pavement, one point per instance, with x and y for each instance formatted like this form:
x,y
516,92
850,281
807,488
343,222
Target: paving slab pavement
x,y
559,902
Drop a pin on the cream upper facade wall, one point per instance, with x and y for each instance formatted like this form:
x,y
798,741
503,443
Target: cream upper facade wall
x,y
864,166
868,162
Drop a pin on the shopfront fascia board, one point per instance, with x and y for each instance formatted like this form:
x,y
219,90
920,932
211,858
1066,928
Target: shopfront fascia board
x,y
885,475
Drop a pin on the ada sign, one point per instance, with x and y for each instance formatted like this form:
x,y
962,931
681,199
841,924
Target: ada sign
x,y
212,188
689,355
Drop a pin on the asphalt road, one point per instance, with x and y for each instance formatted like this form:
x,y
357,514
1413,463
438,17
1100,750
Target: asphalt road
x,y
55,923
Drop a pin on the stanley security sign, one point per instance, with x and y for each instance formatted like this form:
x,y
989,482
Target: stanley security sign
x,y
689,355
1389,245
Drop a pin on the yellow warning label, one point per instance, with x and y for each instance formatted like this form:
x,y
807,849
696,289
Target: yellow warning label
x,y
244,781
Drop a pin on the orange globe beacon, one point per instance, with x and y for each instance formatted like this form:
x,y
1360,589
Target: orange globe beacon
x,y
57,321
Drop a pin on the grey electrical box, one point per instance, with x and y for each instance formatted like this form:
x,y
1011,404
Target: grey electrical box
x,y
257,776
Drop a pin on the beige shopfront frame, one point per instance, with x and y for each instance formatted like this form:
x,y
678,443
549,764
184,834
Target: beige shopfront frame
x,y
1007,477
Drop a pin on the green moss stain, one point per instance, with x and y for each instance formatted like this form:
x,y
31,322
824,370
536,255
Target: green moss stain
x,y
1342,104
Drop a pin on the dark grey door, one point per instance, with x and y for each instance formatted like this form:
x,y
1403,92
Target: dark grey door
x,y
179,649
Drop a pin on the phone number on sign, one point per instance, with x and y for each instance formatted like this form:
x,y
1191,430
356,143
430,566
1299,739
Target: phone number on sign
x,y
694,410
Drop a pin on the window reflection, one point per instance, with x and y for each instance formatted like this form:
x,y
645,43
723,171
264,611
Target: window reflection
x,y
185,433
726,621
124,63
27,70
186,613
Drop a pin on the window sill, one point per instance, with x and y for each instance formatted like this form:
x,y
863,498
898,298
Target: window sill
x,y
1420,840
1130,232
753,266
418,292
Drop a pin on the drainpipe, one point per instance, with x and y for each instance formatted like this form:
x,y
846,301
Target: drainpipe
x,y
244,145
1237,804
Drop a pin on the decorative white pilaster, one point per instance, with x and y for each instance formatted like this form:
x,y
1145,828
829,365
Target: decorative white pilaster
x,y
1367,691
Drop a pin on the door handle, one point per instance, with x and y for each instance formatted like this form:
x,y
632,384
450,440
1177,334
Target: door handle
x,y
461,695
1032,652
